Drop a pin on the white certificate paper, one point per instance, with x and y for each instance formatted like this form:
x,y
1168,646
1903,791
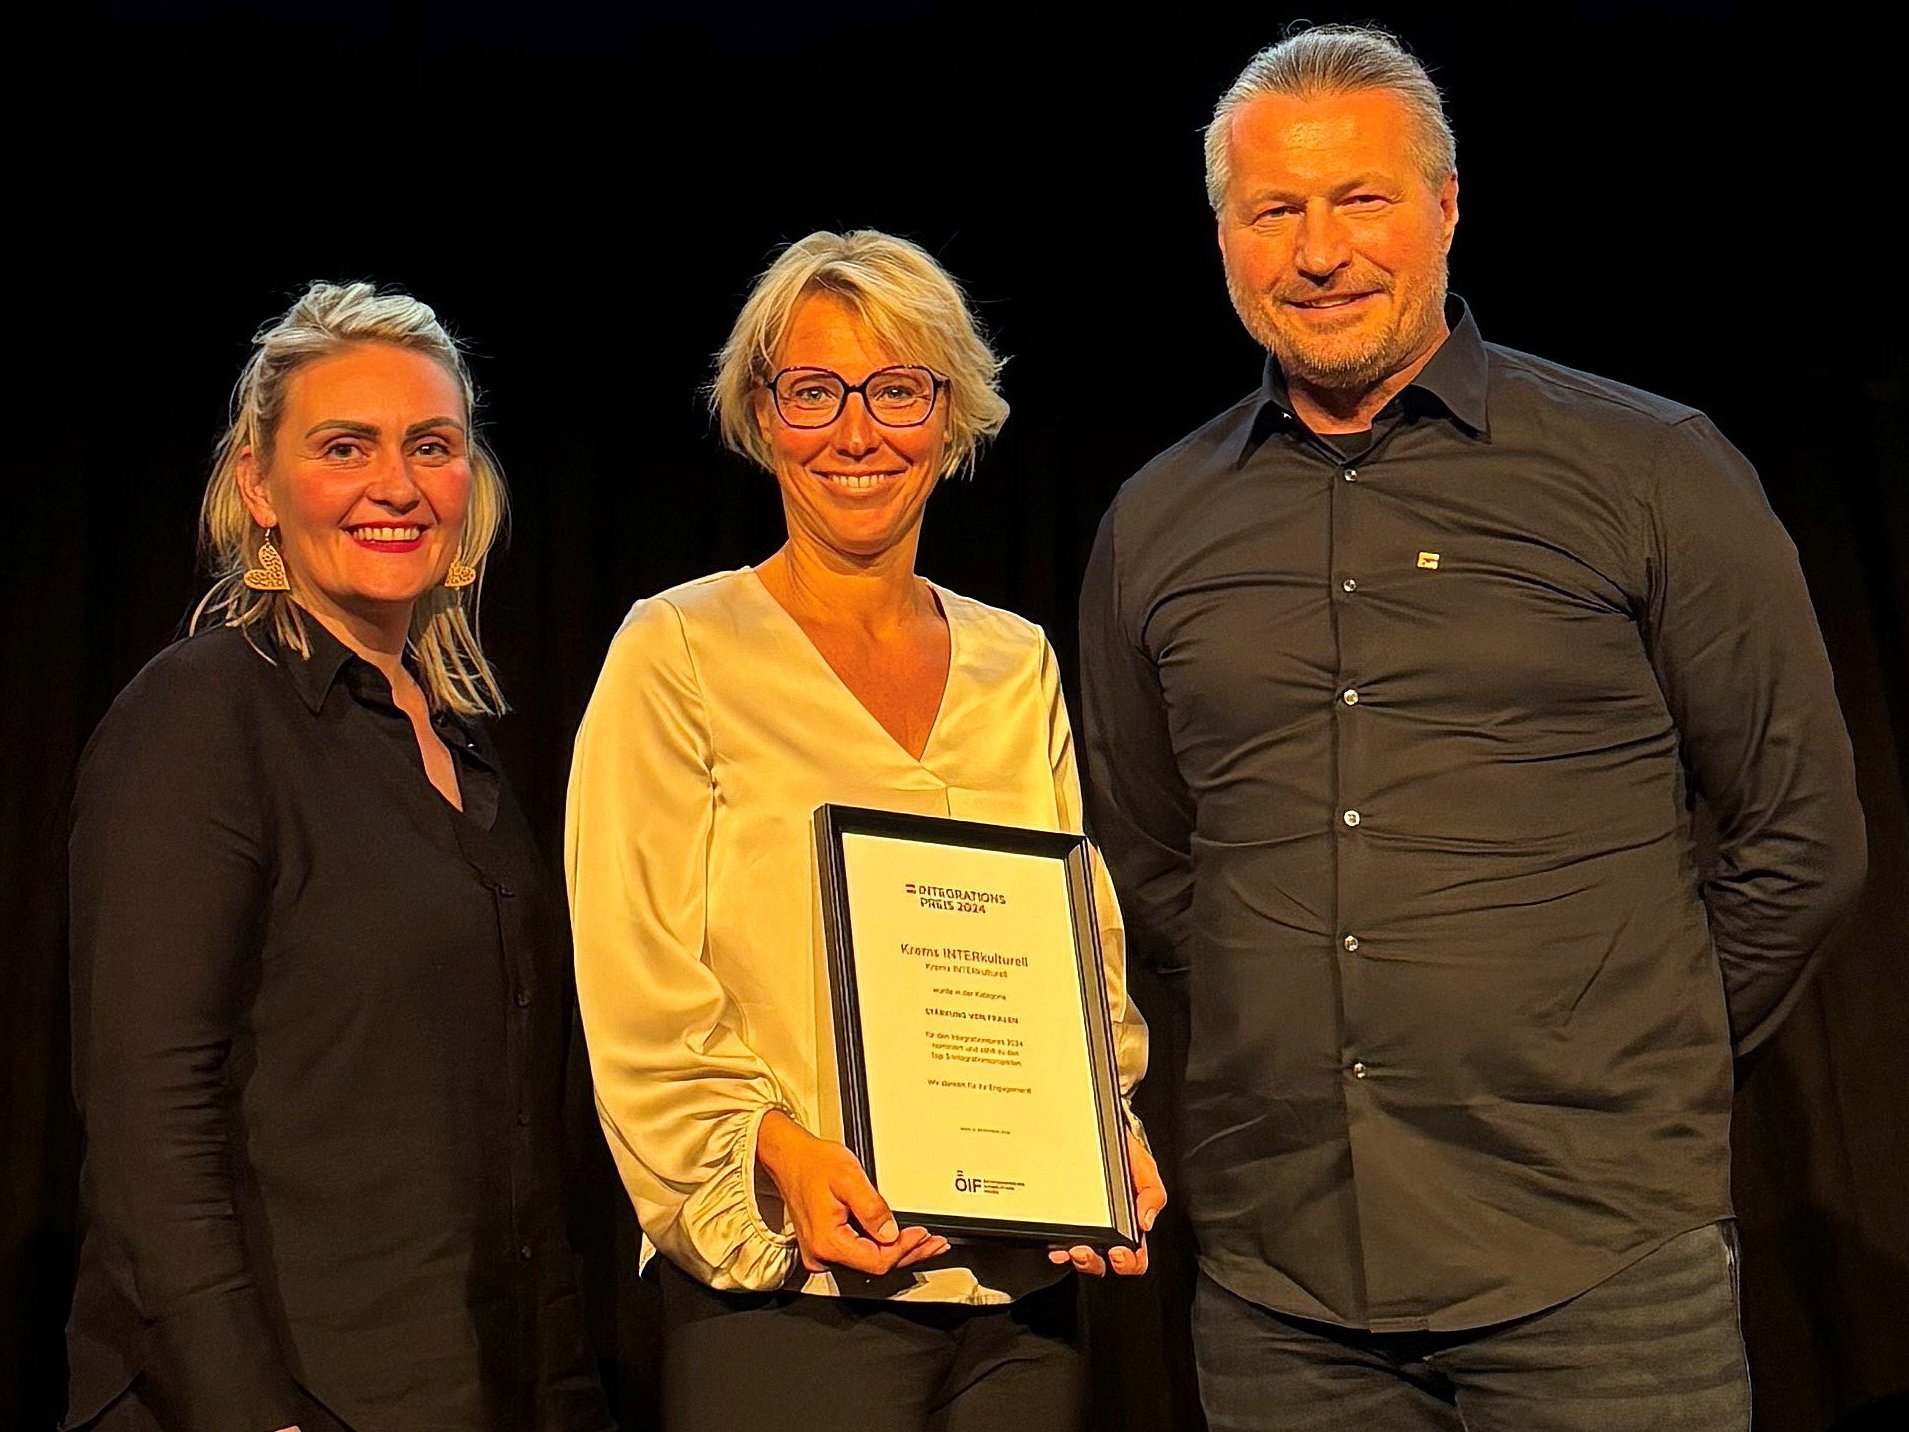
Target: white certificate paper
x,y
981,1093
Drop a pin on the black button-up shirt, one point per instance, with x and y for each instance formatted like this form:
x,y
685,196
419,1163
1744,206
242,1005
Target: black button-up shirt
x,y
320,1030
1393,754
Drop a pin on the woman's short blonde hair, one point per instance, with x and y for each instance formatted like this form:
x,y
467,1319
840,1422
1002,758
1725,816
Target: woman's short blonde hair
x,y
910,304
327,319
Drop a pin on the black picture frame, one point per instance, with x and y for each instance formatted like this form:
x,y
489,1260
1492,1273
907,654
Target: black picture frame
x,y
831,824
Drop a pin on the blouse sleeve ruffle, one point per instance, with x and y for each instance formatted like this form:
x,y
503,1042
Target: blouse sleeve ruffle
x,y
731,1231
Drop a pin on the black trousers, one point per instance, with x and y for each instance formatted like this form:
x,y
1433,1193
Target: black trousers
x,y
130,1412
1654,1348
792,1362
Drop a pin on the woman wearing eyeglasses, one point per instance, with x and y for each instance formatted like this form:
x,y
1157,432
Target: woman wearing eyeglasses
x,y
728,709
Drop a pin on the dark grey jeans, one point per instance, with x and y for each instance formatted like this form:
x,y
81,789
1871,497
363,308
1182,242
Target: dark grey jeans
x,y
1655,1348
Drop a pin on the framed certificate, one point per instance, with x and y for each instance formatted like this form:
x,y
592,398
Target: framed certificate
x,y
975,1052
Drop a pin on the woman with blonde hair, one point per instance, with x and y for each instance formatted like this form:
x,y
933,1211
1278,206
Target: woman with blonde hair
x,y
320,979
729,708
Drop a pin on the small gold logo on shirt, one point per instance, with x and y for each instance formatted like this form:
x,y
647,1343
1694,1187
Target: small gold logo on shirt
x,y
1428,560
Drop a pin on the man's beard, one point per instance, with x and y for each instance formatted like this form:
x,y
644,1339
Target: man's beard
x,y
1338,367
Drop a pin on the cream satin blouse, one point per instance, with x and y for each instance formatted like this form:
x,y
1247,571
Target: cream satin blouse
x,y
715,731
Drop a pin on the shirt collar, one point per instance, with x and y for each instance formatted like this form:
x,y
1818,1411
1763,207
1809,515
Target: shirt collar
x,y
314,676
1459,374
1455,380
331,662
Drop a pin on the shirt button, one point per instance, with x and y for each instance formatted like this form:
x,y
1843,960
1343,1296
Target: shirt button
x,y
524,1253
523,1120
1351,474
523,999
1351,817
1358,1070
1349,585
1351,698
1351,942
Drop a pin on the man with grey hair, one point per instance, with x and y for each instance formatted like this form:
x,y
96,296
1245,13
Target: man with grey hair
x,y
1400,677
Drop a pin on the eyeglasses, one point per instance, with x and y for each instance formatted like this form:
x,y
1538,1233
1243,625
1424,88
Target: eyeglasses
x,y
901,397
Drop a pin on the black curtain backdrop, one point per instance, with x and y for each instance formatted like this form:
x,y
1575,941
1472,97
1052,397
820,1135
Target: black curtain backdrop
x,y
1688,197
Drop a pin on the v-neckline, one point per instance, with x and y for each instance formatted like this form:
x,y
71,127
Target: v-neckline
x,y
808,644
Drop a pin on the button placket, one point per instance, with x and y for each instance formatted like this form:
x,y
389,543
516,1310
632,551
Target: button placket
x,y
1350,697
1353,559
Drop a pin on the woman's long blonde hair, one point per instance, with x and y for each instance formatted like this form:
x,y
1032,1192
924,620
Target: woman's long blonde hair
x,y
326,319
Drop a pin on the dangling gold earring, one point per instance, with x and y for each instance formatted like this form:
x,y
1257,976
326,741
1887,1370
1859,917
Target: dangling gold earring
x,y
459,574
269,574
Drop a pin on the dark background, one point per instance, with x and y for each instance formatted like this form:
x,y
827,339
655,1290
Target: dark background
x,y
1685,196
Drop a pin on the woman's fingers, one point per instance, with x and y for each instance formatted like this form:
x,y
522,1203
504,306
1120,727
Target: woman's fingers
x,y
869,1208
1084,1260
844,1247
919,1250
1149,1197
1127,1262
1149,1190
840,1219
839,1244
846,1250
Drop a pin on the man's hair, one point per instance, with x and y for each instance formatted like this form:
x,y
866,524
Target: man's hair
x,y
909,302
1332,60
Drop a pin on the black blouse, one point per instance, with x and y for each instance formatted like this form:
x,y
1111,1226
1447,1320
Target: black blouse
x,y
320,1026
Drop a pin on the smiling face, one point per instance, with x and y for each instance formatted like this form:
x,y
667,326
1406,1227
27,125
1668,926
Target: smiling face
x,y
367,482
855,488
1334,241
